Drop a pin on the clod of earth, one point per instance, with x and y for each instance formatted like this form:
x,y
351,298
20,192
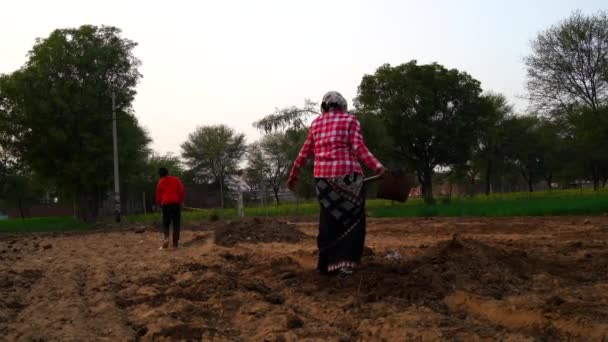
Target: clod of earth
x,y
274,298
47,246
294,322
259,287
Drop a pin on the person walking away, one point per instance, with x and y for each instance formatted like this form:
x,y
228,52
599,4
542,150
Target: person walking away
x,y
170,196
336,141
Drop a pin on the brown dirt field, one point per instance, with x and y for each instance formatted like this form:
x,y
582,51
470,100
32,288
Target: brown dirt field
x,y
515,279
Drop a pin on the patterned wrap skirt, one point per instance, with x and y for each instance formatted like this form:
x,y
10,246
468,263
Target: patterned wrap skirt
x,y
341,223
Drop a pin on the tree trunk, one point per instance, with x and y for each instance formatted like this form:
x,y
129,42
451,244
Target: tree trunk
x,y
489,179
596,177
473,183
276,193
86,209
222,193
20,205
604,181
426,182
549,180
529,179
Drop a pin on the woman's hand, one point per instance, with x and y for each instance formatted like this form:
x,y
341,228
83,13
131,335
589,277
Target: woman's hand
x,y
291,184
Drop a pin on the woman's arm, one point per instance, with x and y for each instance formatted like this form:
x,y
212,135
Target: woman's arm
x,y
305,153
361,151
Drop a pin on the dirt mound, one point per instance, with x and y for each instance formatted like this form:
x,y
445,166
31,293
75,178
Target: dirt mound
x,y
256,231
14,287
473,266
458,264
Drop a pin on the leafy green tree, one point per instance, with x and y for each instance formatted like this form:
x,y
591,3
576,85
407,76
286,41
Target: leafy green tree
x,y
522,147
256,170
292,123
487,154
377,139
278,160
586,132
55,112
569,64
213,154
430,112
270,161
550,150
18,186
293,118
155,161
20,190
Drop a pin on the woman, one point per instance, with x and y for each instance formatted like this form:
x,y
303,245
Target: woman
x,y
335,140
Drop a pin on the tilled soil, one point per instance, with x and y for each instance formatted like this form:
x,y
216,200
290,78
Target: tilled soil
x,y
516,279
256,230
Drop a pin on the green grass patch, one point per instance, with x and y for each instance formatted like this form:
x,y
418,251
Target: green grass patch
x,y
548,203
548,206
42,224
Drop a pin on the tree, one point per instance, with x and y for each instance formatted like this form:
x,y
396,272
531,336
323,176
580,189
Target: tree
x,y
20,189
55,112
522,147
287,118
278,159
291,123
213,154
488,152
155,162
430,112
256,170
377,139
569,64
270,161
18,185
550,149
586,132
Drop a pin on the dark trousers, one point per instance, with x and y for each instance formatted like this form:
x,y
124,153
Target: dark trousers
x,y
172,213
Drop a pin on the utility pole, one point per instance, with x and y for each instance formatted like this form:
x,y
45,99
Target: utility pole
x,y
116,177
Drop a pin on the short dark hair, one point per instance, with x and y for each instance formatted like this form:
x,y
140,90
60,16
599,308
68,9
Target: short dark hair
x,y
163,172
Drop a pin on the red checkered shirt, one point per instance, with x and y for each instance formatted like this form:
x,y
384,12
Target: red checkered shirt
x,y
337,143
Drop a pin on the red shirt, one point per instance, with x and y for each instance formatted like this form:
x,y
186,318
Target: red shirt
x,y
169,190
336,141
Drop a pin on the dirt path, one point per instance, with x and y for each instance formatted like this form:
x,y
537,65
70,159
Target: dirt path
x,y
519,279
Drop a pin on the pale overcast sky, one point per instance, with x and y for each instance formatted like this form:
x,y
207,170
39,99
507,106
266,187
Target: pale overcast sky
x,y
210,62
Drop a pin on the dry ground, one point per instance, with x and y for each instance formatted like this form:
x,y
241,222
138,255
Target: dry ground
x,y
516,279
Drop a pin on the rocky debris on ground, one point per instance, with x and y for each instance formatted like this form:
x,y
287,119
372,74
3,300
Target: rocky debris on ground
x,y
392,255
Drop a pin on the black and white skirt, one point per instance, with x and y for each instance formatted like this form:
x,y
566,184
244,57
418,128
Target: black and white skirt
x,y
342,222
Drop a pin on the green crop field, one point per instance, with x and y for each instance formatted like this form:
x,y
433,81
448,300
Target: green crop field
x,y
549,203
